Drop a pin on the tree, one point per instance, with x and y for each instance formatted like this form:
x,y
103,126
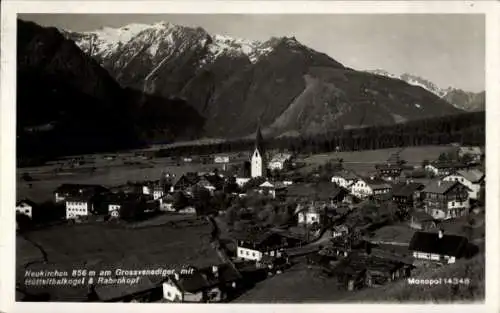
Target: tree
x,y
201,201
180,201
467,158
425,163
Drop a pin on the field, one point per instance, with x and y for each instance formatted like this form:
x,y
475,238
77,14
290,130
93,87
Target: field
x,y
296,285
87,245
108,174
365,161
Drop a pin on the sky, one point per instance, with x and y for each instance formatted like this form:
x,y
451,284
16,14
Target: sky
x,y
447,49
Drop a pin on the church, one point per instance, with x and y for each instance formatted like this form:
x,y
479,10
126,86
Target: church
x,y
258,161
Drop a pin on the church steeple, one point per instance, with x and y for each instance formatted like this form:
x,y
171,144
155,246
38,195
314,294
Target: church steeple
x,y
259,140
258,160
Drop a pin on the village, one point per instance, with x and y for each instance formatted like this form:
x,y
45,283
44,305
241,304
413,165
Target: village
x,y
268,216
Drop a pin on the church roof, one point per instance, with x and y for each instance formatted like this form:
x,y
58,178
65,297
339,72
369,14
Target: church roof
x,y
259,140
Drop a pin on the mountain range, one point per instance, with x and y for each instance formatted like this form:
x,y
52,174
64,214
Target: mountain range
x,y
464,100
235,83
117,87
67,103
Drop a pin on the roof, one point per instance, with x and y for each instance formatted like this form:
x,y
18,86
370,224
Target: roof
x,y
451,245
406,189
190,178
473,175
321,190
27,201
439,186
422,216
259,140
348,175
448,165
205,278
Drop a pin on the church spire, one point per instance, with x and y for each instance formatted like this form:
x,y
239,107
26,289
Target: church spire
x,y
259,140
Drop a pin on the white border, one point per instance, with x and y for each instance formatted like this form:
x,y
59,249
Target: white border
x,y
7,136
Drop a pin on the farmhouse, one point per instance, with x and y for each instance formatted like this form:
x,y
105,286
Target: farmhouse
x,y
279,161
407,195
438,247
360,270
444,168
365,187
345,178
340,231
68,190
210,284
272,189
308,215
186,181
25,207
472,179
389,171
253,246
446,199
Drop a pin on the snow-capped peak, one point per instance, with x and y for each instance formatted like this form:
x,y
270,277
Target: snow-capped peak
x,y
415,81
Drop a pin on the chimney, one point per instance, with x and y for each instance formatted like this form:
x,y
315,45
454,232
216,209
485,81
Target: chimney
x,y
440,233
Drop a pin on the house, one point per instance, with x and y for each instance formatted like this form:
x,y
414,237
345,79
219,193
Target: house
x,y
438,246
446,199
472,179
366,187
422,221
340,231
79,206
389,171
210,284
345,178
444,168
258,160
67,190
272,188
241,181
407,195
186,181
25,207
361,270
253,246
476,153
279,161
310,214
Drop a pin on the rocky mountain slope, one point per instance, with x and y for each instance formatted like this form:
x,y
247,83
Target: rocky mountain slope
x,y
67,103
464,100
234,82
